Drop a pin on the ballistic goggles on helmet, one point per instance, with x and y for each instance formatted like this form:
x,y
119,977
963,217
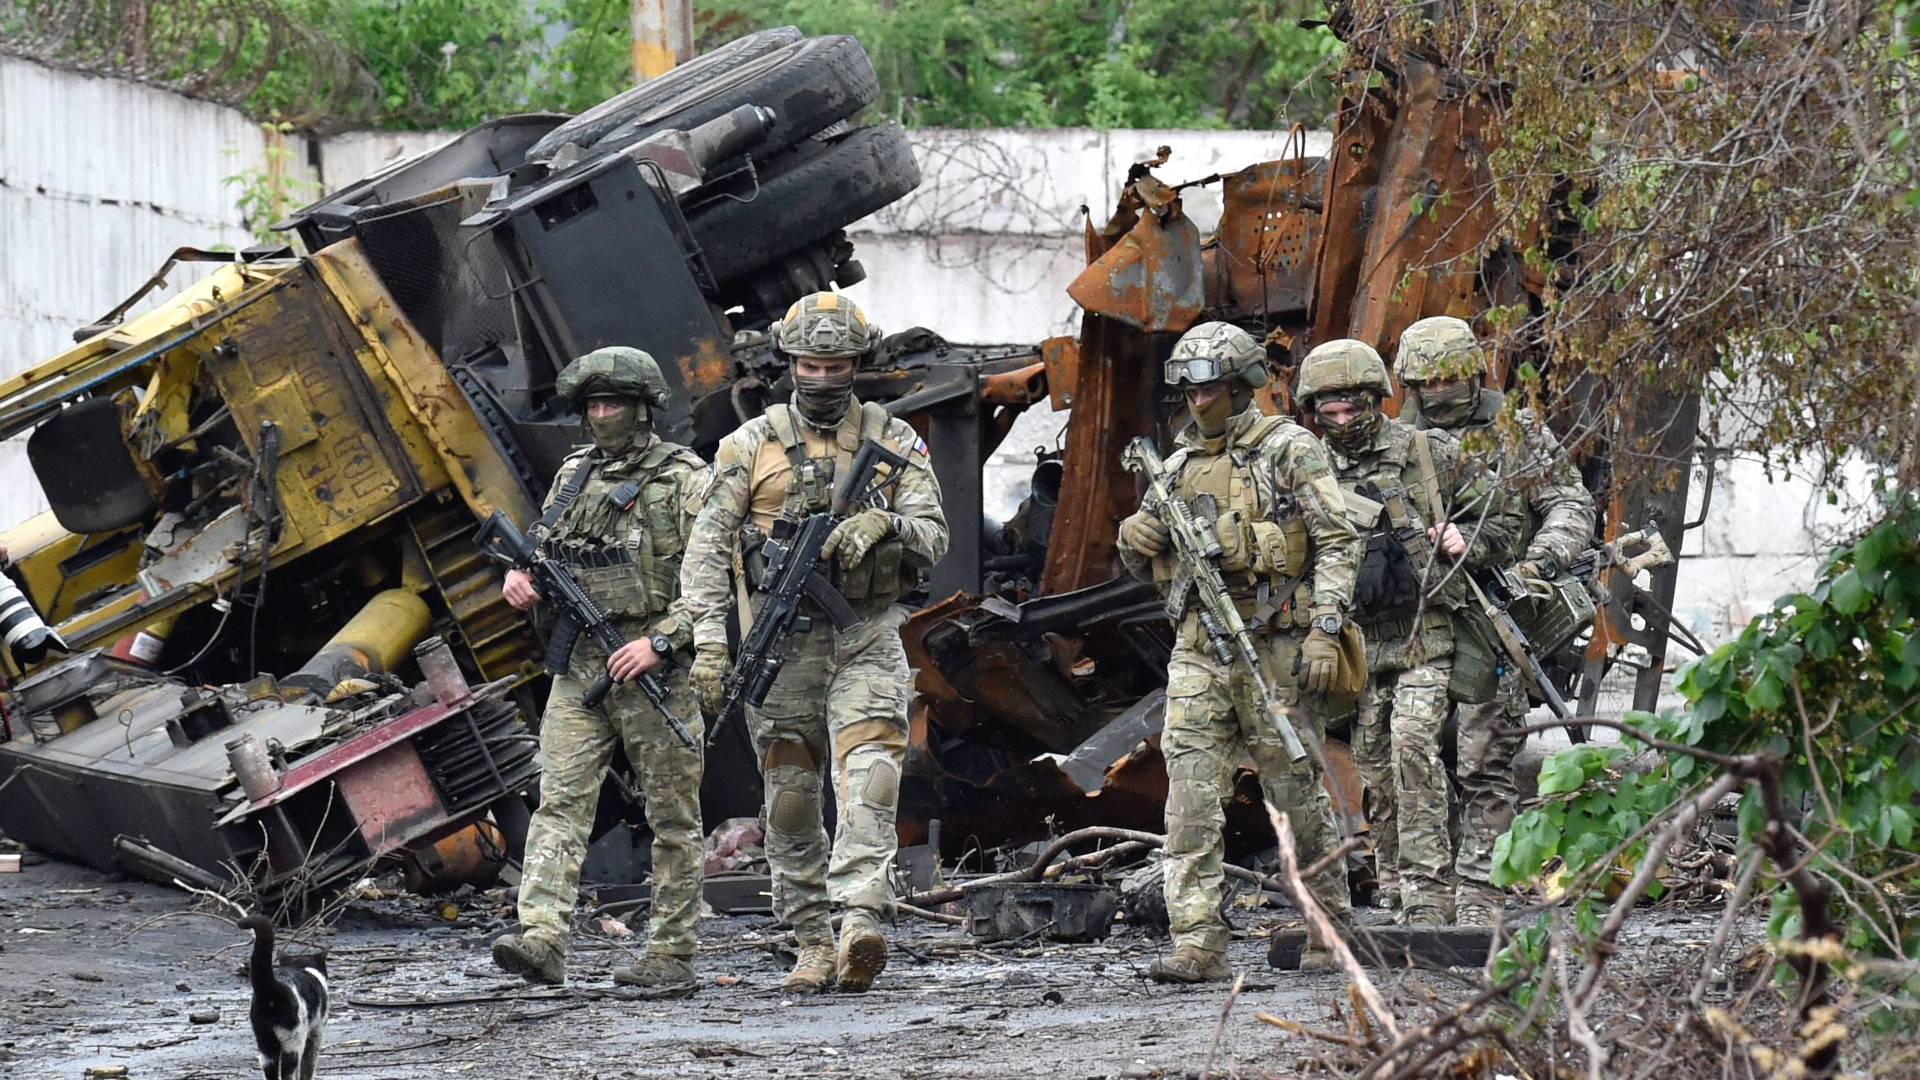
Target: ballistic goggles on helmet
x,y
1197,369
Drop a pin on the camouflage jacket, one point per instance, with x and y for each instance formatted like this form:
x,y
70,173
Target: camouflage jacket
x,y
1467,492
624,546
1533,469
754,482
1275,473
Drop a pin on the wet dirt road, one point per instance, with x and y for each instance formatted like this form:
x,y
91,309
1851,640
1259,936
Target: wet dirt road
x,y
101,971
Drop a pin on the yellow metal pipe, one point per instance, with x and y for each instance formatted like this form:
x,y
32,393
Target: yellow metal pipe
x,y
378,638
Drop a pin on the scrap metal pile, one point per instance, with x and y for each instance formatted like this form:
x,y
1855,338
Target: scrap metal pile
x,y
264,490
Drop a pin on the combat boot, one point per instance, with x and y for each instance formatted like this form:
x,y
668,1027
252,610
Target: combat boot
x,y
812,972
1427,914
863,952
1192,964
657,969
533,959
1476,907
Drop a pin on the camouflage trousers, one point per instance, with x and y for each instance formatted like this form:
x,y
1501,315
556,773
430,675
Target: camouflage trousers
x,y
843,695
1488,794
1396,749
576,742
1214,715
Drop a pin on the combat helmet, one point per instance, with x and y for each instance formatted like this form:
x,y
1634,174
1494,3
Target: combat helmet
x,y
1216,350
826,324
617,370
1343,365
1440,347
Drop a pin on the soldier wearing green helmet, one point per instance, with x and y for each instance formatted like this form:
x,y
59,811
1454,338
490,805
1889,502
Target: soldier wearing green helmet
x,y
1442,364
1288,558
1423,509
618,516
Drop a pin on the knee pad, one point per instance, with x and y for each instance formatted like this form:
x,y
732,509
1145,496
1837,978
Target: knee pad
x,y
793,800
882,787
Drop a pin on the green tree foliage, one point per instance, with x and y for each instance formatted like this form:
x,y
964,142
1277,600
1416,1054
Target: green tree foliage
x,y
1097,63
1827,685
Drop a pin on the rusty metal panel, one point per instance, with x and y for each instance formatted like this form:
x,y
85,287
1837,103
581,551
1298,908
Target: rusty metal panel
x,y
1361,130
1061,355
390,797
1114,402
1263,252
1150,279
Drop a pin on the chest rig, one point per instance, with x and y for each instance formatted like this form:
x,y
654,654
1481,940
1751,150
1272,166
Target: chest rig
x,y
615,525
1382,499
810,485
1245,478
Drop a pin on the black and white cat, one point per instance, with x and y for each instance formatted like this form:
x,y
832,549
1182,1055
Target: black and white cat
x,y
289,1006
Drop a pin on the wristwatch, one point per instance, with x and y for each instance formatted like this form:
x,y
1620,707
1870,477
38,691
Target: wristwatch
x,y
662,645
1327,624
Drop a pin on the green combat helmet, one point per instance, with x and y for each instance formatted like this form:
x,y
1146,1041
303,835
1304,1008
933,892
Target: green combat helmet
x,y
1214,351
1343,366
825,324
1439,348
616,371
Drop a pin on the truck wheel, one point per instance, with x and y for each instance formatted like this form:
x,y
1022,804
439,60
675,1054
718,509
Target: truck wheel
x,y
809,85
822,192
588,127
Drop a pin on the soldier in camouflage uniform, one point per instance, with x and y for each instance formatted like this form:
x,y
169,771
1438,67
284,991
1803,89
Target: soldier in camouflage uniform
x,y
1408,586
1289,556
625,507
1442,364
841,699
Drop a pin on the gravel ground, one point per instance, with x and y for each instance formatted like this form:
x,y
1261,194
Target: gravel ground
x,y
102,971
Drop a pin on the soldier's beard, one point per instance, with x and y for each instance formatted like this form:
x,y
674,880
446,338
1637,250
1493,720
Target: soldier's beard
x,y
1354,435
1447,408
822,400
618,432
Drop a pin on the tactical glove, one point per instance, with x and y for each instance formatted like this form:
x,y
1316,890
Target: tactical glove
x,y
1145,534
709,677
1320,658
853,538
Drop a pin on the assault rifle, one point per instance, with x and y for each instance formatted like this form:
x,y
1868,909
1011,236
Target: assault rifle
x,y
1196,551
576,613
1497,590
794,573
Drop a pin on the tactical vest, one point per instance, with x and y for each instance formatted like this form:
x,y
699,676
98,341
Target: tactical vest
x,y
1243,477
619,534
880,579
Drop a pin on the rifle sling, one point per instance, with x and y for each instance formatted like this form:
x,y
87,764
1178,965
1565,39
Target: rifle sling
x,y
569,491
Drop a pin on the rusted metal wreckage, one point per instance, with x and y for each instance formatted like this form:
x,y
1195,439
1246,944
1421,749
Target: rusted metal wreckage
x,y
279,471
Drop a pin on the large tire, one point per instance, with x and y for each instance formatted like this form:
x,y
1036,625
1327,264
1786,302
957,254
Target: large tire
x,y
824,191
588,127
810,85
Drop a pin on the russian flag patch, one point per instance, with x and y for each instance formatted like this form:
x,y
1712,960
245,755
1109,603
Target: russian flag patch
x,y
919,445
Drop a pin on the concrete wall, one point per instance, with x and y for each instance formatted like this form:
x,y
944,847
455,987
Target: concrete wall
x,y
100,180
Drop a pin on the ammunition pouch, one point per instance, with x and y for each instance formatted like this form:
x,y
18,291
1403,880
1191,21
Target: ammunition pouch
x,y
1478,659
1552,620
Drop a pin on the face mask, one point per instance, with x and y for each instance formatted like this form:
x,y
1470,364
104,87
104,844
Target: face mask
x,y
822,400
1446,408
1211,419
1354,435
615,432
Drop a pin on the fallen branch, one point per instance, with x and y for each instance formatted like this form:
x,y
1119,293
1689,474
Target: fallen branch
x,y
1220,1029
930,916
1316,916
1132,842
1307,1032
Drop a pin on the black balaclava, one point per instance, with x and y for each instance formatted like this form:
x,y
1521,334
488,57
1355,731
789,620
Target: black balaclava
x,y
821,400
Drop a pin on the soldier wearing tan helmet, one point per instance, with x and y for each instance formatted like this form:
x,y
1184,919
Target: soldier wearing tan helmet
x,y
1442,365
840,701
1424,510
618,516
1288,558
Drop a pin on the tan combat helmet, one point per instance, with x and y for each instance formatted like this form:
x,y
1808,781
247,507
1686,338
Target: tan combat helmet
x,y
1440,347
825,324
1343,366
1213,351
618,371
